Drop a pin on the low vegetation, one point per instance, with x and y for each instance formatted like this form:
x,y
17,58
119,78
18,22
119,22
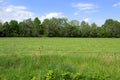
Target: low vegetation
x,y
59,59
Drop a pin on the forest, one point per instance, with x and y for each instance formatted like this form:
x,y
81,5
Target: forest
x,y
59,27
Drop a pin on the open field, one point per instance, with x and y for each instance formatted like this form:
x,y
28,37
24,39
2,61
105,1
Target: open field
x,y
35,58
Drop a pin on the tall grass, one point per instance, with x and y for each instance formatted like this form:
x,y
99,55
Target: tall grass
x,y
32,58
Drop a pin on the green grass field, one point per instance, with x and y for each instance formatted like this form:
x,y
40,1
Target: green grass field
x,y
34,58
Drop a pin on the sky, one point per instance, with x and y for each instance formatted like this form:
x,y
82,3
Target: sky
x,y
88,10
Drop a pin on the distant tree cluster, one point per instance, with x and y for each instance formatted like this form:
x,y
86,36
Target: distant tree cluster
x,y
59,27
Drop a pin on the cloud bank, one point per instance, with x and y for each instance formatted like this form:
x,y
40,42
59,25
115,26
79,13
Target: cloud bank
x,y
51,15
116,4
12,12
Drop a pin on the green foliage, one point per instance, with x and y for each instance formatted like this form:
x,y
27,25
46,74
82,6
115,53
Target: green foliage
x,y
37,22
34,78
59,27
112,28
6,27
77,76
93,30
85,29
66,76
1,30
50,75
36,28
14,28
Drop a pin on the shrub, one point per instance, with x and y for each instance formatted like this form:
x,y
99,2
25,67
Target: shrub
x,y
77,76
50,75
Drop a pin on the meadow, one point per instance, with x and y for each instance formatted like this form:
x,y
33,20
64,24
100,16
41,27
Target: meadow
x,y
59,59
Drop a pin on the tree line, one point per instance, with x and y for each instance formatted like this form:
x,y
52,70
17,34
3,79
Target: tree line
x,y
59,27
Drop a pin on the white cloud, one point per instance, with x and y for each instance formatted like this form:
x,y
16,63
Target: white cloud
x,y
15,12
12,8
51,15
84,6
100,22
116,4
76,13
86,19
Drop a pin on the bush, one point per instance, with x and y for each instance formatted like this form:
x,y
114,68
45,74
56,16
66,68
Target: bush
x,y
77,76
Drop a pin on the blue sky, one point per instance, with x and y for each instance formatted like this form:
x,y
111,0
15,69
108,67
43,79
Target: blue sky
x,y
88,10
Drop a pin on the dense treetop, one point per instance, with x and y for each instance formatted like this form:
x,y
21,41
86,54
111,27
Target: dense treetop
x,y
59,27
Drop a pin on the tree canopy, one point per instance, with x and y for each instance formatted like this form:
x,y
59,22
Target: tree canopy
x,y
59,27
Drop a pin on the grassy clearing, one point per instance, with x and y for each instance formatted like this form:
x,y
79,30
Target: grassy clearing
x,y
32,58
